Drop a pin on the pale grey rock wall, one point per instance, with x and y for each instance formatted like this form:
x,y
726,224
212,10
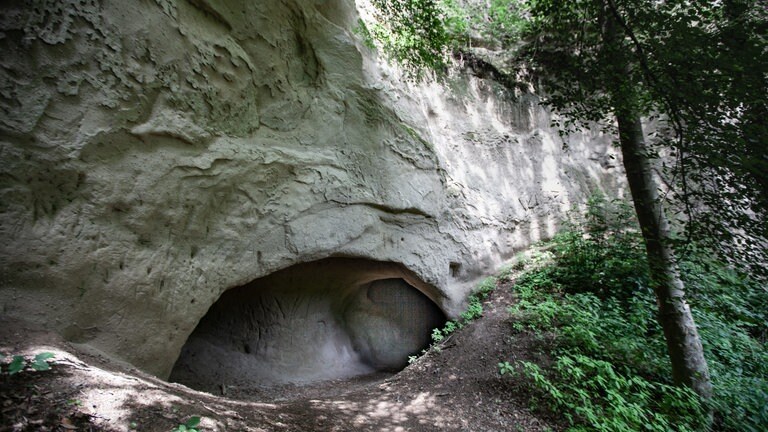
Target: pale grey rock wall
x,y
156,154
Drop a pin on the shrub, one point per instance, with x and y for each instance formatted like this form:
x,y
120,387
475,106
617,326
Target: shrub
x,y
593,393
610,366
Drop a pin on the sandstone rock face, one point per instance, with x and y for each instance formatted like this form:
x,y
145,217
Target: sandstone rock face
x,y
157,154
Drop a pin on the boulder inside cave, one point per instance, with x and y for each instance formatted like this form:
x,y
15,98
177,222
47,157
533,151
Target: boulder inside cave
x,y
328,319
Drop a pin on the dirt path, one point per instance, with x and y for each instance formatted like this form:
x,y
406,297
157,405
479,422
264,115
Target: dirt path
x,y
455,389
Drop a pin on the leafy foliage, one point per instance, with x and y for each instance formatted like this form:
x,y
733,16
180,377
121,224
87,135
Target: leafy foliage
x,y
610,368
39,363
191,425
506,368
414,33
699,69
497,21
600,252
713,93
625,402
17,364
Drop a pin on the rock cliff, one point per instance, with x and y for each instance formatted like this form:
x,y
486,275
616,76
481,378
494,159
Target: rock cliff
x,y
157,154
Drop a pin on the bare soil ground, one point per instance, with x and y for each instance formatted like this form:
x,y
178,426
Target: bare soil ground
x,y
457,388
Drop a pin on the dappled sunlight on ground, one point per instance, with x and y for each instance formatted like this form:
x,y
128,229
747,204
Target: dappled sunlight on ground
x,y
87,386
456,388
397,412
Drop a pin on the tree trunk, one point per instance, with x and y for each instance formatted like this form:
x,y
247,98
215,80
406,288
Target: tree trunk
x,y
689,368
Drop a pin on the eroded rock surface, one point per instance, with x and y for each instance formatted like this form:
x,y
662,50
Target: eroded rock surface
x,y
388,320
157,154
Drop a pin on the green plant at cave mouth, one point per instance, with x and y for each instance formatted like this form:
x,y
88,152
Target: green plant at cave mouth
x,y
39,363
505,368
191,425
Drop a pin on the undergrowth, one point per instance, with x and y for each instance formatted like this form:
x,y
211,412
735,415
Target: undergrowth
x,y
610,370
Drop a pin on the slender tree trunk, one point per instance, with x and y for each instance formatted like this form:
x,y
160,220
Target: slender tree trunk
x,y
689,367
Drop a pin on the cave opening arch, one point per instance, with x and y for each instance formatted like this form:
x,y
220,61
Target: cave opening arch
x,y
322,320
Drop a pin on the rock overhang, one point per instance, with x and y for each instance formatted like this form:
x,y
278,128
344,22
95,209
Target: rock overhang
x,y
155,157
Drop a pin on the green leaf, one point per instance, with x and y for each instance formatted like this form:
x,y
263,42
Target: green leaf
x,y
44,356
40,365
17,365
193,422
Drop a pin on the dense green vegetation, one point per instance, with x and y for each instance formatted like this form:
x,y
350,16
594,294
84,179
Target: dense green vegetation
x,y
609,369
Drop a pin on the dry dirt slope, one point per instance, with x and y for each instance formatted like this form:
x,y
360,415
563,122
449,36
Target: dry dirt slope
x,y
455,389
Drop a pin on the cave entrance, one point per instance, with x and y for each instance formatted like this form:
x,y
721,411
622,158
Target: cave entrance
x,y
328,319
